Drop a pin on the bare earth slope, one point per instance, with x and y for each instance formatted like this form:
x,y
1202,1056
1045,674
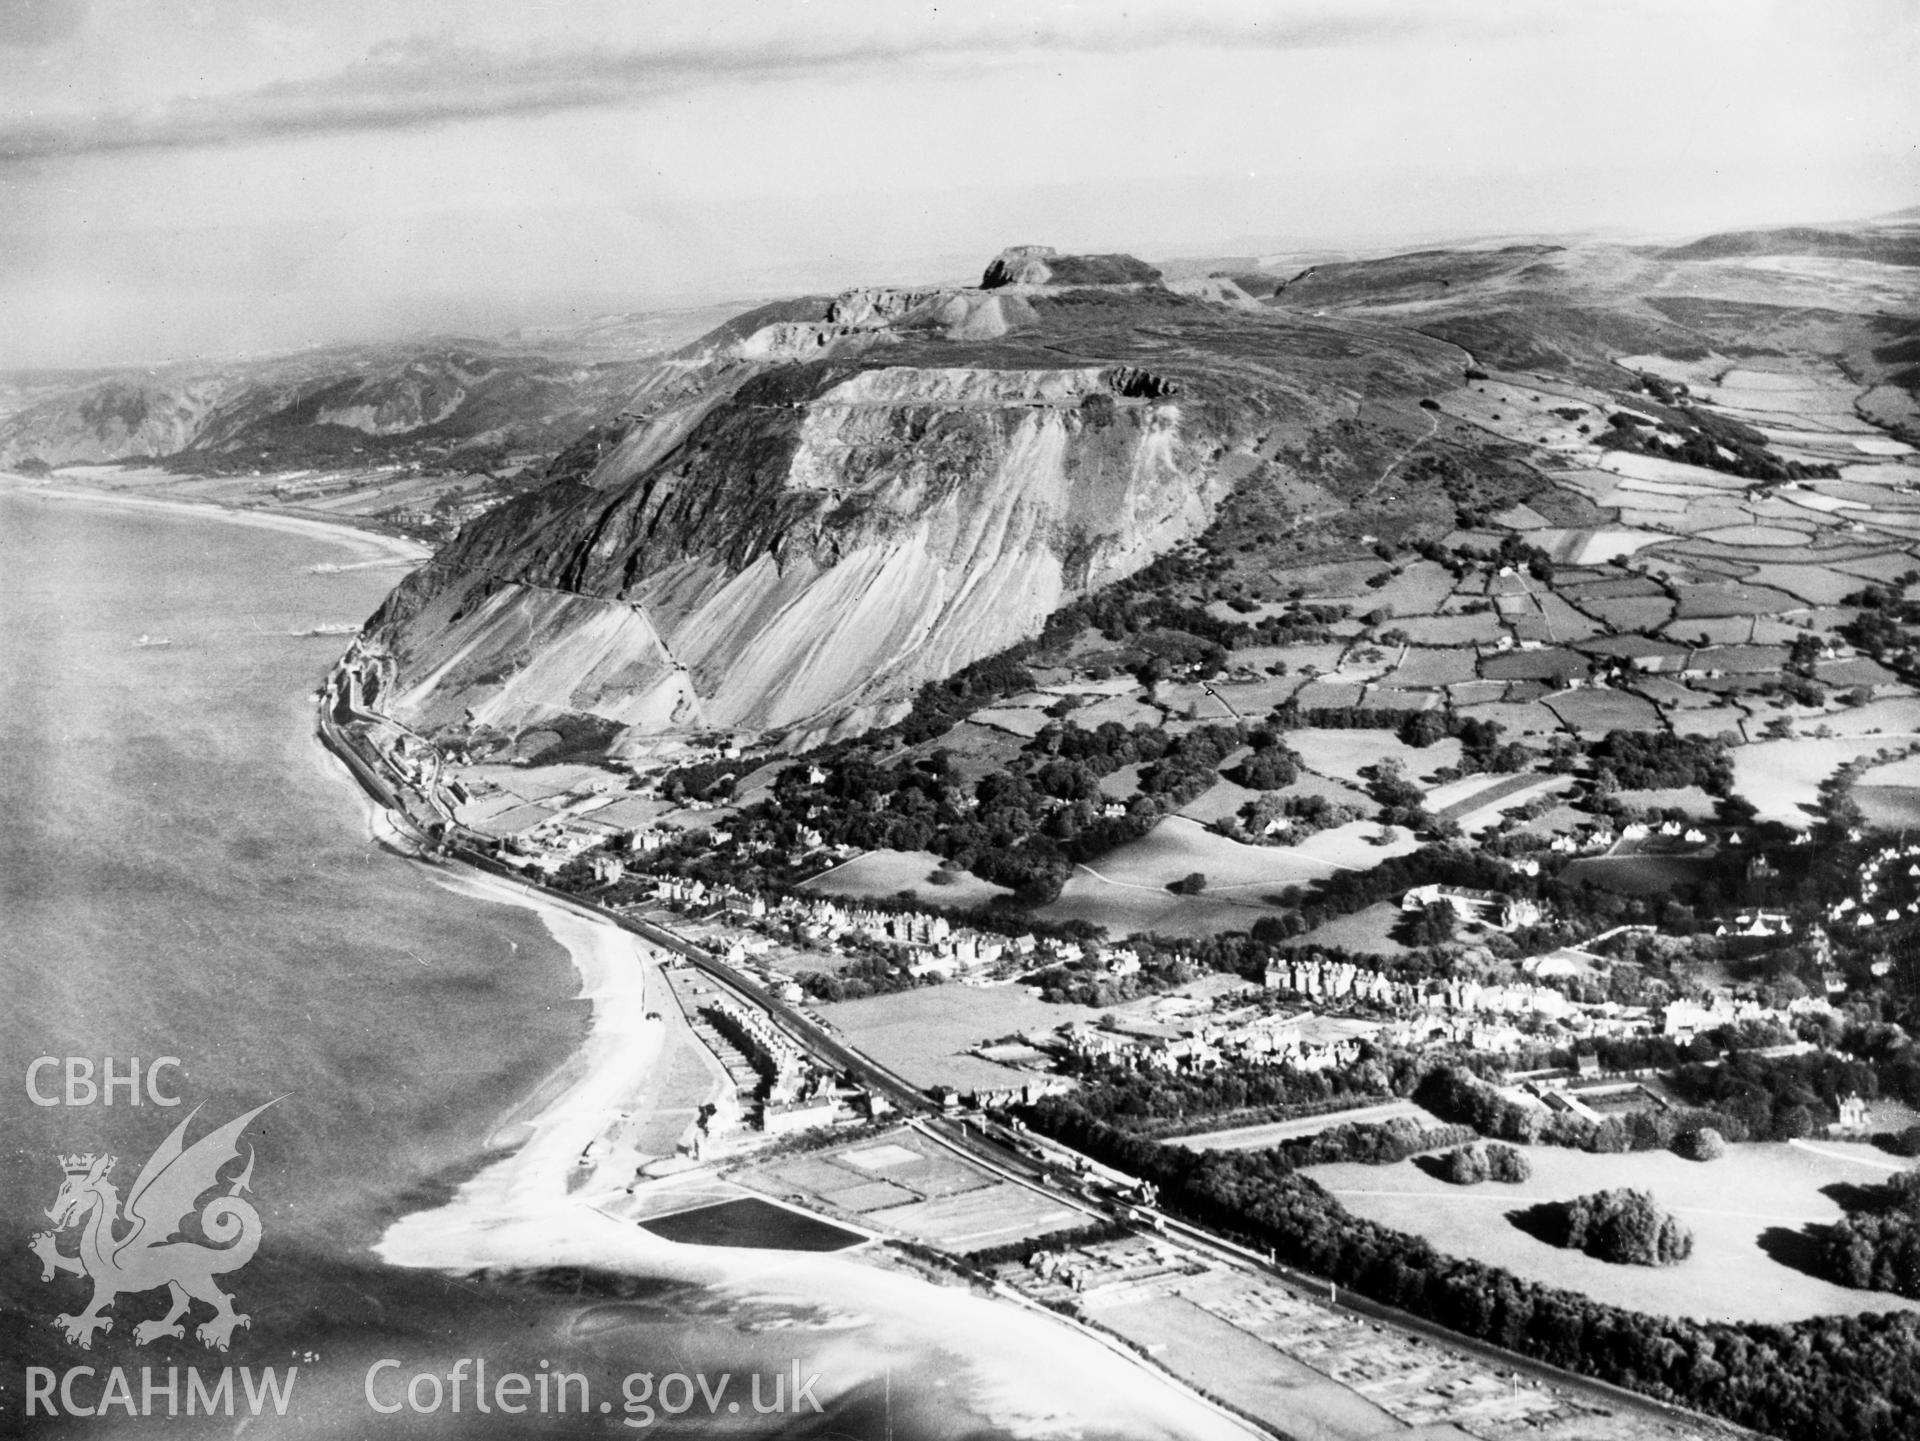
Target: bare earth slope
x,y
800,519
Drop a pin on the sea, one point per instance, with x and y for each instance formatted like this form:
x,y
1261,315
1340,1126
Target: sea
x,y
192,890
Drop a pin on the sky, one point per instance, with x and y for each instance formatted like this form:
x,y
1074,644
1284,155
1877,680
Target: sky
x,y
188,179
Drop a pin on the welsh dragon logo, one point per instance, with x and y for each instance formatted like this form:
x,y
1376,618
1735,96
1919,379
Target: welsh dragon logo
x,y
149,1252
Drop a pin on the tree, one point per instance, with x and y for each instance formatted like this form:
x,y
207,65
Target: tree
x,y
1704,1143
1624,1226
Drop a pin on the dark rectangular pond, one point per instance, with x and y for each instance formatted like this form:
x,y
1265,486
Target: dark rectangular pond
x,y
752,1222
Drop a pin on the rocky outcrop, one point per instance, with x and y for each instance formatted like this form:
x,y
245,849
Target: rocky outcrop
x,y
1042,265
797,521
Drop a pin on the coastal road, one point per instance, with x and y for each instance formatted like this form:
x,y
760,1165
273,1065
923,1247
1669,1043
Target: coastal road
x,y
990,1146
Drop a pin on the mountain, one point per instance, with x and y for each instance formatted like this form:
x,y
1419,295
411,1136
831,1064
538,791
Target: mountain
x,y
408,401
795,522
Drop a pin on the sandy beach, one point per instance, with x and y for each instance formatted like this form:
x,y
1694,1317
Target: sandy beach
x,y
531,1203
375,546
517,1209
535,1207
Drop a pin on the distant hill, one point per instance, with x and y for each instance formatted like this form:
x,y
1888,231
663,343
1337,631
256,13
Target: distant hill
x,y
1886,247
402,401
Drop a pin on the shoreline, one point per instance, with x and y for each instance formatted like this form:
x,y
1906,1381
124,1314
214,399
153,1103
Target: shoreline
x,y
539,1189
538,1207
392,549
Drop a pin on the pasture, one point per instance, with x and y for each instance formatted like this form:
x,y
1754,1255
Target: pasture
x,y
1747,1210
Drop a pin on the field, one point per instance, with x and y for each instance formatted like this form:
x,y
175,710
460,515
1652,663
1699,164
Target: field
x,y
1366,932
905,1183
924,1033
1243,1370
1782,778
1250,1138
887,873
1747,1211
1312,1370
1666,599
1127,889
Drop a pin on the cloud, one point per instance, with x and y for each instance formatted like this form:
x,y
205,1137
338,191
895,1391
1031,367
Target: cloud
x,y
422,81
28,23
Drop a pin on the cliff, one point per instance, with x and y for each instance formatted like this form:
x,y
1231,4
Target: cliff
x,y
796,521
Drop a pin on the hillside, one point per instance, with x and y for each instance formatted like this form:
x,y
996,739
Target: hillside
x,y
363,405
795,522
